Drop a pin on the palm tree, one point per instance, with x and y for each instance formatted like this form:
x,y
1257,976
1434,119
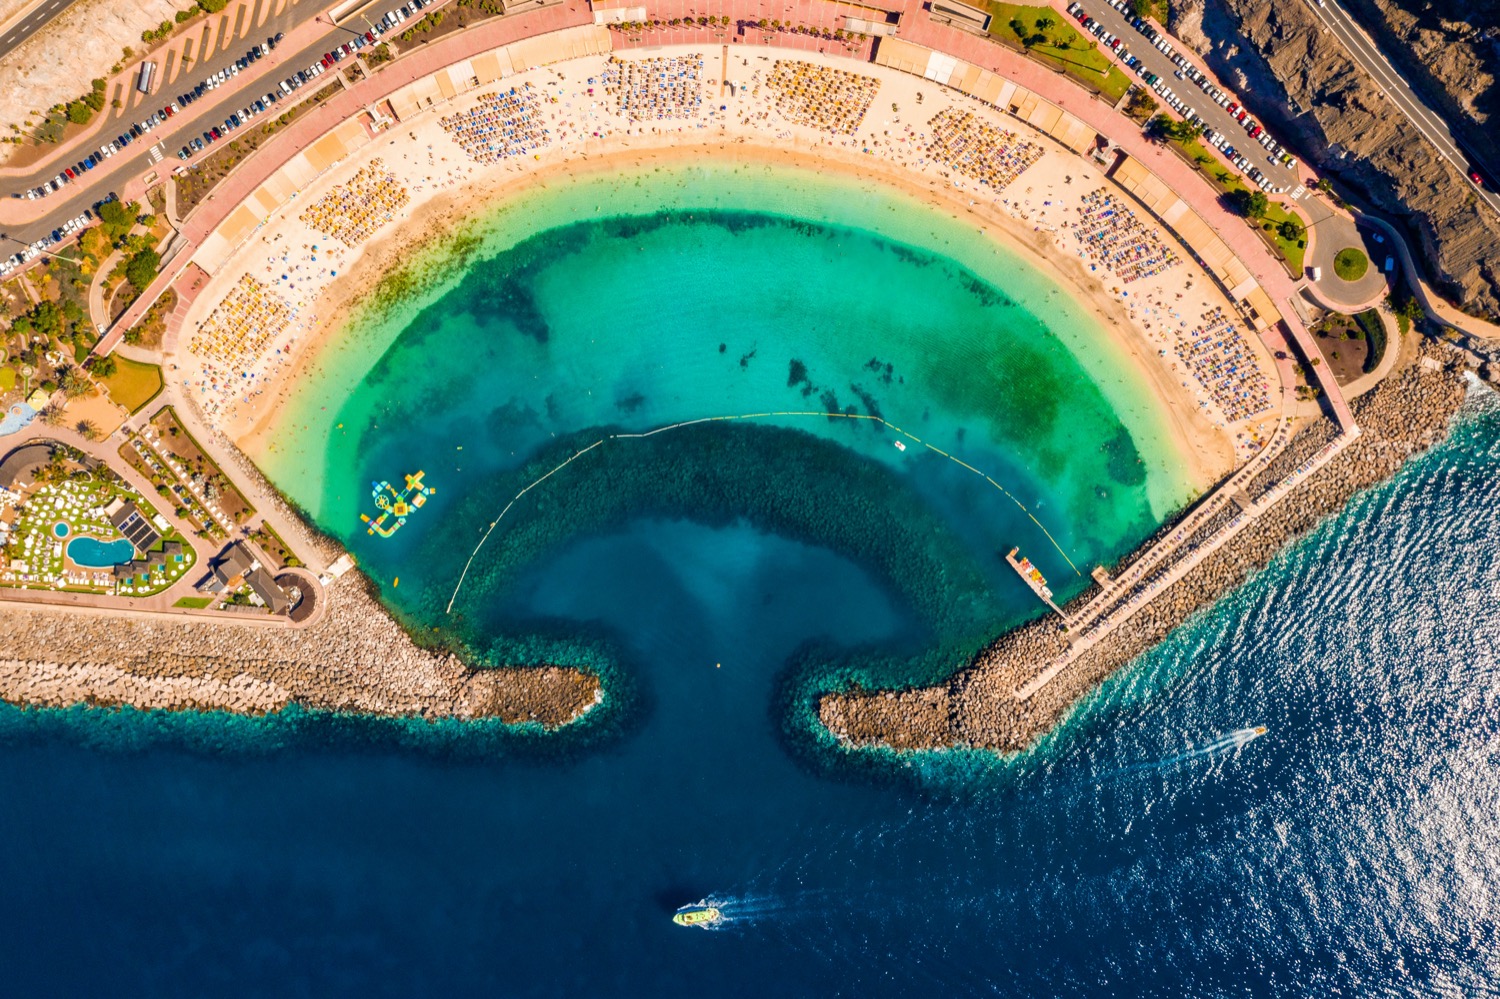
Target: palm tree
x,y
87,430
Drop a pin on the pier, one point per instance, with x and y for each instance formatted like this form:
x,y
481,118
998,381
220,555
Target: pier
x,y
1175,556
1034,580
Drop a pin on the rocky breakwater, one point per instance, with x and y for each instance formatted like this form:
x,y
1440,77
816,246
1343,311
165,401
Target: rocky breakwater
x,y
1299,79
355,660
977,707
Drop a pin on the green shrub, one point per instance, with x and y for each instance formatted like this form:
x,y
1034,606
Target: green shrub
x,y
141,268
1374,330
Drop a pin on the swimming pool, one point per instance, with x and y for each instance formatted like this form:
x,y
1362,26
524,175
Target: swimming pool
x,y
96,554
61,529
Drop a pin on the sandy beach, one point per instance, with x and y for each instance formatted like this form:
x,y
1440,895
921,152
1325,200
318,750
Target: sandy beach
x,y
440,186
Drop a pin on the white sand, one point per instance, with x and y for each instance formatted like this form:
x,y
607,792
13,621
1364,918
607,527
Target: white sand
x,y
586,135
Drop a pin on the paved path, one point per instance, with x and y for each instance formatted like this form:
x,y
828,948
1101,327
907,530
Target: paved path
x,y
98,307
916,26
1095,628
1325,240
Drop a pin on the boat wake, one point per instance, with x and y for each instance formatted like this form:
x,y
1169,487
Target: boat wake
x,y
743,911
1221,746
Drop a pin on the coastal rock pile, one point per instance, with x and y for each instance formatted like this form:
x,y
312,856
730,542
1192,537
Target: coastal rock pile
x,y
977,707
357,659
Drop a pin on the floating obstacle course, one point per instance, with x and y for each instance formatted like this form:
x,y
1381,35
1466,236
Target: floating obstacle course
x,y
395,506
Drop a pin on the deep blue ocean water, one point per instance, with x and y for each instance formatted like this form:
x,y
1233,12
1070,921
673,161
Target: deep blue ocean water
x,y
1350,851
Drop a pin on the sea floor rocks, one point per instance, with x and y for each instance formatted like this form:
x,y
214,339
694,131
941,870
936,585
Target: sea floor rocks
x,y
977,707
357,659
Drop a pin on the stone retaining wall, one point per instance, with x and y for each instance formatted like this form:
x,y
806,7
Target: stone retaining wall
x,y
356,659
1404,416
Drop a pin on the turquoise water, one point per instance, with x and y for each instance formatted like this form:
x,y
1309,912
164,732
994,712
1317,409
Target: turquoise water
x,y
60,529
614,306
1348,852
98,554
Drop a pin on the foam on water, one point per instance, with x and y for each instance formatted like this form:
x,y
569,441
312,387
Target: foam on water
x,y
1147,847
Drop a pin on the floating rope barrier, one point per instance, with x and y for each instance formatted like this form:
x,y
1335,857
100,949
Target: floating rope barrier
x,y
753,416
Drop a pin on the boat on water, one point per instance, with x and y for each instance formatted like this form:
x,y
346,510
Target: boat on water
x,y
698,914
900,446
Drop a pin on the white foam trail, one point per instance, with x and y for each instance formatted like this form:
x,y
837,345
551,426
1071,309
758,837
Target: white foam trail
x,y
1220,745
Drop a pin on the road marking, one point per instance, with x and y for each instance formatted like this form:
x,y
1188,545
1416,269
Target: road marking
x,y
1397,90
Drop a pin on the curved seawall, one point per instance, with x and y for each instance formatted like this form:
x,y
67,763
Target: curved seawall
x,y
978,707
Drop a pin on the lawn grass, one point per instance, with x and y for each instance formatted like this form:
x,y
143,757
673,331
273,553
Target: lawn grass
x,y
1293,250
1227,180
1351,263
195,603
133,384
1064,47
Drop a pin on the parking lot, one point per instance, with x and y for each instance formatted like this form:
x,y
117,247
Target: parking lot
x,y
175,130
1180,84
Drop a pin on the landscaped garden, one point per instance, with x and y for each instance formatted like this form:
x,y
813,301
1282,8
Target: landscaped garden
x,y
1048,36
1350,264
58,535
1353,345
186,476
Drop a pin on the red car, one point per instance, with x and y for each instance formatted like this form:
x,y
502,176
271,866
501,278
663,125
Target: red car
x,y
1474,176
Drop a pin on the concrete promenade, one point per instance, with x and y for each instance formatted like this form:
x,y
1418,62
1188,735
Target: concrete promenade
x,y
917,28
351,102
1105,613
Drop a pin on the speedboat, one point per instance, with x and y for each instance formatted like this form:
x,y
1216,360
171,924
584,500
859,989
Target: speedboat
x,y
698,914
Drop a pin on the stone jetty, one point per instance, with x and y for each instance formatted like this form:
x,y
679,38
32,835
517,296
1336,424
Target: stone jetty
x,y
357,659
977,706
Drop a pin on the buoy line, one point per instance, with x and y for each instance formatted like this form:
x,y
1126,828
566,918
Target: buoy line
x,y
751,416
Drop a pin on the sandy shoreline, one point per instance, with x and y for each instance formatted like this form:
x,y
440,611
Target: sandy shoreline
x,y
440,206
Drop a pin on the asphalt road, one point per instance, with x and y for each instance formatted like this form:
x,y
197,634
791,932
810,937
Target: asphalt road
x,y
1215,117
32,24
1364,52
190,122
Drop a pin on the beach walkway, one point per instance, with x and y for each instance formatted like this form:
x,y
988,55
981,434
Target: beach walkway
x,y
1167,559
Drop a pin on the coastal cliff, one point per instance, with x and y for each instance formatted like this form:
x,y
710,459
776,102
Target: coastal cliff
x,y
357,659
977,708
1300,80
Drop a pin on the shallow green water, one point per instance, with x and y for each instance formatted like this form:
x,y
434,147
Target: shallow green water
x,y
627,303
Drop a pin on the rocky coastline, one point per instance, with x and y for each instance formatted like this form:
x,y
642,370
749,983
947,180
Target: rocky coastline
x,y
976,707
356,659
1299,79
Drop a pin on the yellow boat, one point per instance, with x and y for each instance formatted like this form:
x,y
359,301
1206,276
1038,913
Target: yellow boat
x,y
701,914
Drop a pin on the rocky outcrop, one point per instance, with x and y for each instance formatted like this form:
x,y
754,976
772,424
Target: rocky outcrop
x,y
356,659
977,707
1451,51
1300,79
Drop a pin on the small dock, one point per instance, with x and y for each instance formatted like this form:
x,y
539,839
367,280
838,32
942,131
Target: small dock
x,y
1033,578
